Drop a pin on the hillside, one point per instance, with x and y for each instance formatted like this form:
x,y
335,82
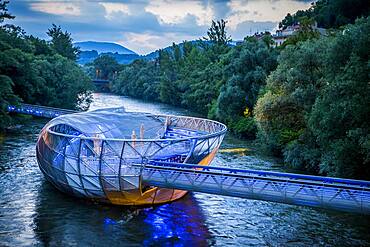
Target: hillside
x,y
103,47
90,50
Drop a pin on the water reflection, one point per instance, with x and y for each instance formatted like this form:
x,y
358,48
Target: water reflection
x,y
63,220
106,100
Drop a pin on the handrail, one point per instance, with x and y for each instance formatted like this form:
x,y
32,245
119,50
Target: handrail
x,y
41,107
203,136
222,127
243,172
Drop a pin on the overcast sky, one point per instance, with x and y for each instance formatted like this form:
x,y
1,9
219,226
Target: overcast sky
x,y
144,26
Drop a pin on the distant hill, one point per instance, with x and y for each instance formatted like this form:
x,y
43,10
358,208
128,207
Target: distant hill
x,y
103,47
155,54
90,50
89,56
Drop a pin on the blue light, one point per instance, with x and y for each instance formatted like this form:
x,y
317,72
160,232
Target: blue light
x,y
176,224
109,221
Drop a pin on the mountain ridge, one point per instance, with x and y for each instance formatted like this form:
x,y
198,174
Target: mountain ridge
x,y
103,47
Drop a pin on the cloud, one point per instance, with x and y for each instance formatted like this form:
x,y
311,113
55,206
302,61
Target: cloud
x,y
148,42
115,8
247,28
262,11
173,12
56,8
146,25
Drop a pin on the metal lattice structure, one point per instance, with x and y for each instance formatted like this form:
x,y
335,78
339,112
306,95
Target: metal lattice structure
x,y
91,154
325,192
39,111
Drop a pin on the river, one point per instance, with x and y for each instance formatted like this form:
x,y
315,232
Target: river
x,y
32,212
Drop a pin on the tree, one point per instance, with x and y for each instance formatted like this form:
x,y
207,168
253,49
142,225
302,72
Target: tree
x,y
216,80
336,13
167,88
315,112
287,21
139,79
41,47
32,72
340,122
4,14
61,42
217,33
330,13
267,39
62,83
7,98
245,69
105,67
290,92
340,119
230,102
305,32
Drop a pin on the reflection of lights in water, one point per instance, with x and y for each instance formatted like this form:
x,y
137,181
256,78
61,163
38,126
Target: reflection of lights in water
x,y
178,224
62,220
109,221
161,227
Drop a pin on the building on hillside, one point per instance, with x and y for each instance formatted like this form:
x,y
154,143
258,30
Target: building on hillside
x,y
282,34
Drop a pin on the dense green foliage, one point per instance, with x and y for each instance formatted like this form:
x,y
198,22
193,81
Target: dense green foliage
x,y
208,77
140,79
103,67
330,13
211,79
61,42
244,71
306,32
217,33
4,14
38,72
316,111
307,101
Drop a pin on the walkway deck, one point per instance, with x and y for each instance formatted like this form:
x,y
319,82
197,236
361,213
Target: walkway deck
x,y
325,192
39,111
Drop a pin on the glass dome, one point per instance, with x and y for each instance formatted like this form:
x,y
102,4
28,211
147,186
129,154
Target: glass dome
x,y
100,154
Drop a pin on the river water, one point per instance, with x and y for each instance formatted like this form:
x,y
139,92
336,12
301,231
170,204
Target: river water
x,y
32,212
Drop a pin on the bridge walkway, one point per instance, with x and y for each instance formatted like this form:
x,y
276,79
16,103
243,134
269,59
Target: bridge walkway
x,y
325,192
39,111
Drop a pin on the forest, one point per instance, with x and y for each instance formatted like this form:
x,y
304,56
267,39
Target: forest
x,y
306,101
35,71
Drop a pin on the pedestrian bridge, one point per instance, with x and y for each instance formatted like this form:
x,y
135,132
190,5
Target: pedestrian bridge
x,y
297,189
325,192
39,111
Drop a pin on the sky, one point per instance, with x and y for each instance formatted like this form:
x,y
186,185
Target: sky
x,y
145,26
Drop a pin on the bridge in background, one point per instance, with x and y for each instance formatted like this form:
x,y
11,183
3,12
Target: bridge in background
x,y
324,192
39,111
101,84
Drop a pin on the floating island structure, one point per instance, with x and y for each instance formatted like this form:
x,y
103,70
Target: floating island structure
x,y
100,154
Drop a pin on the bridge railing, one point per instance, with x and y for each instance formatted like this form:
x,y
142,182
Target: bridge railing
x,y
334,193
39,111
265,174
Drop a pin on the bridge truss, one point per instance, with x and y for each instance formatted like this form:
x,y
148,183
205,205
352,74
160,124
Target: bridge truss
x,y
325,192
